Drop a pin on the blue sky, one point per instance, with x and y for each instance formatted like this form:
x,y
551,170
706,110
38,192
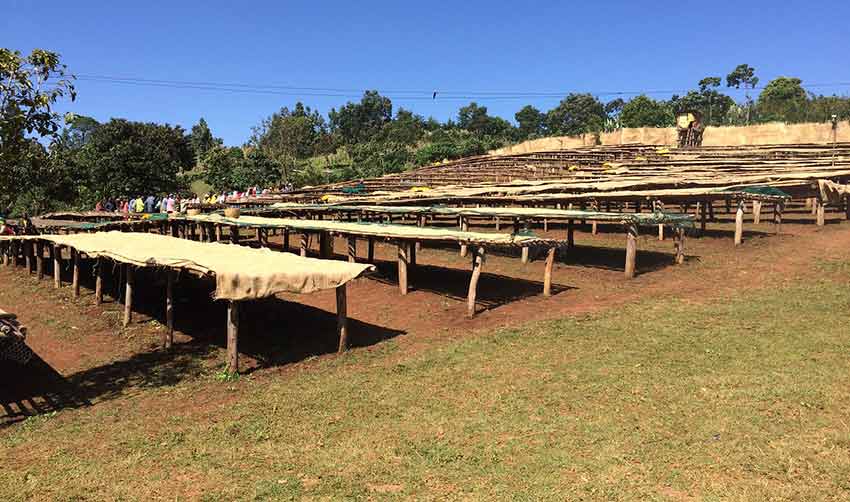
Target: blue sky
x,y
475,48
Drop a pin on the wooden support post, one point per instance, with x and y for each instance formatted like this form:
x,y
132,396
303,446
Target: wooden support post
x,y
821,213
39,260
477,263
192,231
547,274
464,226
420,222
402,267
498,223
352,249
525,248
679,244
342,318
234,234
756,212
847,207
15,245
75,281
232,337
326,249
57,266
777,216
739,224
703,211
304,244
168,338
128,294
259,236
370,258
571,234
285,240
28,255
412,254
631,250
545,224
175,229
218,233
98,282
814,205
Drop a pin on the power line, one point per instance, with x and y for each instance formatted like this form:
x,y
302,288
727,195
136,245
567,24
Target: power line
x,y
399,95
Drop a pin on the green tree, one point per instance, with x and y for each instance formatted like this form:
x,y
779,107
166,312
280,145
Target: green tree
x,y
783,99
576,114
124,158
406,128
360,122
532,122
474,118
745,75
288,136
29,86
643,111
202,139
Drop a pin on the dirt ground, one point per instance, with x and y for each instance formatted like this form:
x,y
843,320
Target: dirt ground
x,y
84,357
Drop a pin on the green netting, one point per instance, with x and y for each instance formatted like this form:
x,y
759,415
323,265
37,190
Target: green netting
x,y
763,190
653,218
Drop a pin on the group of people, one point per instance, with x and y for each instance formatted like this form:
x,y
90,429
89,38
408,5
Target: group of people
x,y
172,203
144,204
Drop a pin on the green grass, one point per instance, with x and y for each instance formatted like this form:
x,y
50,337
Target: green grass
x,y
744,399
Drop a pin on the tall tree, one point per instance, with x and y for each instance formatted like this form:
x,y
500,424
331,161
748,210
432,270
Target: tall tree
x,y
576,114
532,122
643,111
291,135
29,86
783,99
745,75
202,139
360,122
124,158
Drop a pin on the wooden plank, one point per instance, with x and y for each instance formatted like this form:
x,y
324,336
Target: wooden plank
x,y
739,224
168,339
679,244
631,250
342,318
57,266
233,337
464,227
352,249
98,282
75,282
821,214
128,294
547,274
477,264
756,212
402,267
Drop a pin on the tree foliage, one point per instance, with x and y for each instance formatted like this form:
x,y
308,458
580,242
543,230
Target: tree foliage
x,y
29,87
202,139
124,158
576,114
643,111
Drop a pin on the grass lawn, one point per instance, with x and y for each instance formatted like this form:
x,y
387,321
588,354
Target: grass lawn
x,y
741,399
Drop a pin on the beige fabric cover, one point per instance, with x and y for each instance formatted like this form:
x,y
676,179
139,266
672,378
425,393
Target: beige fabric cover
x,y
380,230
833,193
241,273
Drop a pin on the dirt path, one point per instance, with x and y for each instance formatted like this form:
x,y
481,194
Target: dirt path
x,y
84,344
